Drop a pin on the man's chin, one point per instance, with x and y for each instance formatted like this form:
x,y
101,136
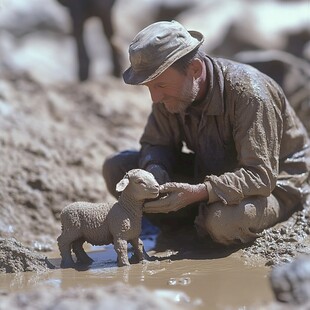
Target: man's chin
x,y
179,109
172,111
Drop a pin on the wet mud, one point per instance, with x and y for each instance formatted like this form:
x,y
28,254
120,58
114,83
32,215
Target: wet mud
x,y
199,281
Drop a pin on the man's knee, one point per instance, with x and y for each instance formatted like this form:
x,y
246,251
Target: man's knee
x,y
223,227
234,224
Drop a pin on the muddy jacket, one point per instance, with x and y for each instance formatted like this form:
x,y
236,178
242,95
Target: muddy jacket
x,y
245,135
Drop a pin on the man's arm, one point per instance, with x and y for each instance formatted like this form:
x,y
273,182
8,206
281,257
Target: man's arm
x,y
257,131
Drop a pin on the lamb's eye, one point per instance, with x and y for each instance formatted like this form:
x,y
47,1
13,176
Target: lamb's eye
x,y
140,182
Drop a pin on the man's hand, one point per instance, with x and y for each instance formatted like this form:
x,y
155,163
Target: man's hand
x,y
159,173
179,195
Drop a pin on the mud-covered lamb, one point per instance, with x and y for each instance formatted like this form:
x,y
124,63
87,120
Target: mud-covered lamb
x,y
104,223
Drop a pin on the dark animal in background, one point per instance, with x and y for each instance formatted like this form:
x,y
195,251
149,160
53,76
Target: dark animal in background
x,y
80,11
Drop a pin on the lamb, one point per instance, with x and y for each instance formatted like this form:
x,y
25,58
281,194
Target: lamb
x,y
105,223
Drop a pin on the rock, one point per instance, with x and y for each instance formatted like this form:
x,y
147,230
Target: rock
x,y
291,282
14,257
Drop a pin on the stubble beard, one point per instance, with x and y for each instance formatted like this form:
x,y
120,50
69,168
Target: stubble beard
x,y
188,94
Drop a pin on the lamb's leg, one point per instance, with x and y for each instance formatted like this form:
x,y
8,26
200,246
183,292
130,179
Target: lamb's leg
x,y
120,247
139,251
138,248
64,245
81,256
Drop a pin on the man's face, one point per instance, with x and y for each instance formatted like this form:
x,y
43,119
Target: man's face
x,y
174,89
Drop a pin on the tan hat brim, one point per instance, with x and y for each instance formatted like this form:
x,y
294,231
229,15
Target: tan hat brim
x,y
133,77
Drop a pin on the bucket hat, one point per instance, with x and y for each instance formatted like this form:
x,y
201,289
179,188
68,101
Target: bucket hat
x,y
157,47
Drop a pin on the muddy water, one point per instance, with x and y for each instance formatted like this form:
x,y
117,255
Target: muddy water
x,y
202,282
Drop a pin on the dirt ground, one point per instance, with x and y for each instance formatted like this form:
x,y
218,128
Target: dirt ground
x,y
54,135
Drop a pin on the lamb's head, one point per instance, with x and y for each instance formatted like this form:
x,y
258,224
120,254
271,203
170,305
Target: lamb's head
x,y
140,183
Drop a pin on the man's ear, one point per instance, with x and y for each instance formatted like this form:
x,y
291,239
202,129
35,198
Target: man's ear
x,y
196,67
122,184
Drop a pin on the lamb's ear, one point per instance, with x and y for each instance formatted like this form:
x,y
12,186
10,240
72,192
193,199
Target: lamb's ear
x,y
122,184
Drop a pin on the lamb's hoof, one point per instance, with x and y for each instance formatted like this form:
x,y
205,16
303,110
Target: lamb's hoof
x,y
66,264
134,259
85,261
122,264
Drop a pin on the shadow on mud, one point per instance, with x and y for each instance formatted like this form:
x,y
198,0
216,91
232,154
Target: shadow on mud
x,y
186,244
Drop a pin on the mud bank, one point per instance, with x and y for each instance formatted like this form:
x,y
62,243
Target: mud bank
x,y
14,257
283,242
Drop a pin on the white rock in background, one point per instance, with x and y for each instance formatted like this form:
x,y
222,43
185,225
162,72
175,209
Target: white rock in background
x,y
46,58
264,24
213,18
23,16
33,39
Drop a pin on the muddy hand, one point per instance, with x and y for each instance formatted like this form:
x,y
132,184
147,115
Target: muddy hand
x,y
178,196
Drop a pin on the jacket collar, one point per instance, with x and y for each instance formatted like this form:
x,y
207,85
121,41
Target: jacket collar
x,y
214,101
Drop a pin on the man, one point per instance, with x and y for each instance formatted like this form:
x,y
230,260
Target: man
x,y
222,131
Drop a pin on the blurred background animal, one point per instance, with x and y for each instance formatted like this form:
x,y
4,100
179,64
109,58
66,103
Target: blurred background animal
x,y
80,11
